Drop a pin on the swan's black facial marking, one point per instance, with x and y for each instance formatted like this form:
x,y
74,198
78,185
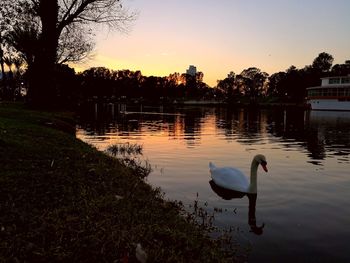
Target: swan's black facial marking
x,y
263,164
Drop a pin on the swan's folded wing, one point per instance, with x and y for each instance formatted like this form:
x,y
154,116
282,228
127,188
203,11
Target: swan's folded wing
x,y
230,178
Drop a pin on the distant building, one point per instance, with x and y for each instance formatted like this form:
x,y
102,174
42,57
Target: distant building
x,y
192,70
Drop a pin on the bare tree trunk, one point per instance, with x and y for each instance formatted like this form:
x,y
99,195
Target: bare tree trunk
x,y
2,59
42,90
2,63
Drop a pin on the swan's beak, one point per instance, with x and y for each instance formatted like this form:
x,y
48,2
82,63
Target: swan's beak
x,y
264,166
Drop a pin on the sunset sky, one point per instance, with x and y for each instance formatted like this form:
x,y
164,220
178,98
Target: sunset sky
x,y
225,35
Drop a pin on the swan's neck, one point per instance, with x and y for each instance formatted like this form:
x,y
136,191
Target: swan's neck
x,y
253,187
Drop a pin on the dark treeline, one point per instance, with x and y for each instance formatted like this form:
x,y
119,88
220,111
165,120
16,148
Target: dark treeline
x,y
103,83
286,86
250,86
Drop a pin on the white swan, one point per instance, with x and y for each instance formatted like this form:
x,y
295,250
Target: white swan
x,y
233,179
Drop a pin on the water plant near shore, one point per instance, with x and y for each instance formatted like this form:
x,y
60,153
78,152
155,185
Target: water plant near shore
x,y
129,154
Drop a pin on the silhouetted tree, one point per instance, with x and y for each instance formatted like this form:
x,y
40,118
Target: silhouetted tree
x,y
295,90
97,82
67,85
228,87
277,85
252,82
341,69
25,41
323,62
63,23
190,85
193,83
291,85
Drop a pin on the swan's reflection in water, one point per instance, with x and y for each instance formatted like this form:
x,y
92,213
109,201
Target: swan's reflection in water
x,y
230,194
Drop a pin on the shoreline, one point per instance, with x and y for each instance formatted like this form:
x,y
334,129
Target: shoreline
x,y
62,200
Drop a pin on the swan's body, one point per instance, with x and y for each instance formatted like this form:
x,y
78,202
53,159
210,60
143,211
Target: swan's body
x,y
233,179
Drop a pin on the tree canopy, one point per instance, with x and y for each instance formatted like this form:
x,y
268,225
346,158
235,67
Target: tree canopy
x,y
323,62
47,32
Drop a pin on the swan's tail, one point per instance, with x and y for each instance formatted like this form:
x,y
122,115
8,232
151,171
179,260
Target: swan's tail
x,y
211,166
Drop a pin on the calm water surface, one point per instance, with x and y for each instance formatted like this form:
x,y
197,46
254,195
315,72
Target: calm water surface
x,y
304,199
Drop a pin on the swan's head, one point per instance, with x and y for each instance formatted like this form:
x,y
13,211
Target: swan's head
x,y
260,159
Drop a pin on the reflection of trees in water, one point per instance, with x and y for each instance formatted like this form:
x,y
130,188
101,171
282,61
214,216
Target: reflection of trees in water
x,y
242,124
193,125
291,128
102,119
332,130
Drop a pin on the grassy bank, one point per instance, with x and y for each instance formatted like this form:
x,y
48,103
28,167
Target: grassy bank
x,y
63,201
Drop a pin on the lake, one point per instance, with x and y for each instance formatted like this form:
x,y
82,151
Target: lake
x,y
304,199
